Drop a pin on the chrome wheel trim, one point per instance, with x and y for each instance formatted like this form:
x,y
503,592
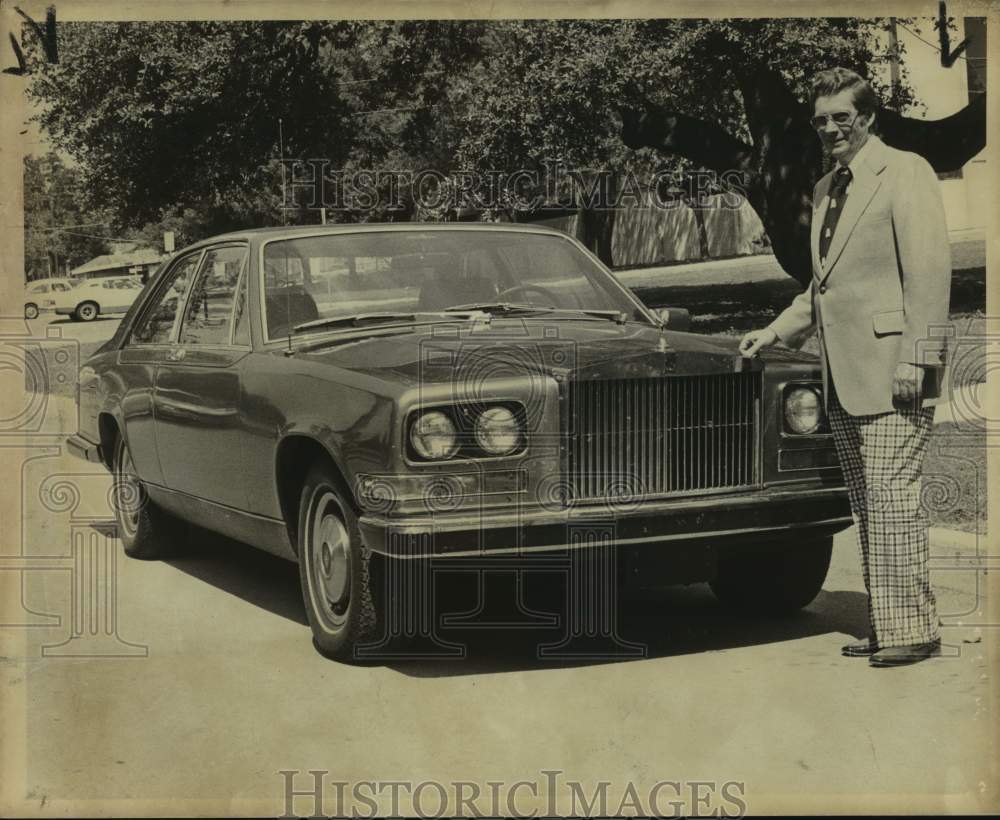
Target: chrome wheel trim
x,y
87,312
31,312
128,494
328,561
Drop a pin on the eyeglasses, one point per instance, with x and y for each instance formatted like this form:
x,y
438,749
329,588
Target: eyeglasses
x,y
842,119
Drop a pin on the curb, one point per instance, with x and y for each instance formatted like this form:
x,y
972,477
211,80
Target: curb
x,y
957,539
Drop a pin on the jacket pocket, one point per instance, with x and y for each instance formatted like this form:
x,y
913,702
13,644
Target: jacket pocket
x,y
888,321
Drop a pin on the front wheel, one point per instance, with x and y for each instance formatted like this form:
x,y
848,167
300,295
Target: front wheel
x,y
340,584
773,581
31,311
146,531
87,312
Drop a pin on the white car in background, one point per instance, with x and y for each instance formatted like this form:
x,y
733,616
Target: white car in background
x,y
94,297
38,294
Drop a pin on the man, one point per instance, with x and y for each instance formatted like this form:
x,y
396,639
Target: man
x,y
879,302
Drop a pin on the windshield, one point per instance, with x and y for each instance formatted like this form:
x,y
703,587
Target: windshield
x,y
317,278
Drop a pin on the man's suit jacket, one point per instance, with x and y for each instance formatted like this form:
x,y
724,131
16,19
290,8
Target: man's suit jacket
x,y
882,295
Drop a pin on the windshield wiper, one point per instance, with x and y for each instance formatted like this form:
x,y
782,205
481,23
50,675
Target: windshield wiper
x,y
619,316
357,319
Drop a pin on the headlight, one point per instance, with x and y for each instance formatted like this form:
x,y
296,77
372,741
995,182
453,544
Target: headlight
x,y
433,436
498,432
803,410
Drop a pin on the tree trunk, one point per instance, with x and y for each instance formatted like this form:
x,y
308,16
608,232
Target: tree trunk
x,y
598,223
598,228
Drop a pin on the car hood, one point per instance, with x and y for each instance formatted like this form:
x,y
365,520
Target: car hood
x,y
576,350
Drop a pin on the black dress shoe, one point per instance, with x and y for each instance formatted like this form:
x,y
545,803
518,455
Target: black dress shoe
x,y
859,650
902,655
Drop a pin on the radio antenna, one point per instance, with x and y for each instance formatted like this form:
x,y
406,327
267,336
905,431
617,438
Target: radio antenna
x,y
284,244
281,150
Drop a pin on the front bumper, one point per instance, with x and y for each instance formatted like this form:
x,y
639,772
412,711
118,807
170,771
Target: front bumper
x,y
715,520
84,448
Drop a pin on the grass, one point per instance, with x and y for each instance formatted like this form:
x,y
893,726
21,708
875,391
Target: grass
x,y
954,488
732,310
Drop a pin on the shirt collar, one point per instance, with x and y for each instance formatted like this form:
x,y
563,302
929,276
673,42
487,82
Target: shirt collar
x,y
859,157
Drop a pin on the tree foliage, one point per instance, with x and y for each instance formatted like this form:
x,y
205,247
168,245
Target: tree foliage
x,y
60,232
168,117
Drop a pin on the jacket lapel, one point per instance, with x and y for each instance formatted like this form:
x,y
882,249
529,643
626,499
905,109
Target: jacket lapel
x,y
819,213
867,180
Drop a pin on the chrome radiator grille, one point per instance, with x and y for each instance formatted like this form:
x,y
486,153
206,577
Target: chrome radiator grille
x,y
680,434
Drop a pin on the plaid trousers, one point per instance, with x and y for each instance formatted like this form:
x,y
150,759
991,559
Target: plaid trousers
x,y
882,458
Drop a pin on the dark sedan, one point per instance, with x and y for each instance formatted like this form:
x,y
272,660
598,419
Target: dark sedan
x,y
353,396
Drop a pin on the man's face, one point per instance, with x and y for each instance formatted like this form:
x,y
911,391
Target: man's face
x,y
839,125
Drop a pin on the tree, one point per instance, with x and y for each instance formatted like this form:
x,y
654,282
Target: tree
x,y
724,95
60,233
781,162
168,117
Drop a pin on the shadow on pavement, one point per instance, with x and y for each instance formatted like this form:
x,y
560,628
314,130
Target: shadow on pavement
x,y
260,579
505,637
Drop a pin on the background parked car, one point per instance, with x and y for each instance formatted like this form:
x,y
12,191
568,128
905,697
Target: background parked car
x,y
38,294
93,297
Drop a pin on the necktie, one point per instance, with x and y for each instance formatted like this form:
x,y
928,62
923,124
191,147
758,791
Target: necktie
x,y
838,196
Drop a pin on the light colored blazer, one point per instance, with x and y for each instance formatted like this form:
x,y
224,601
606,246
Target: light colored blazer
x,y
882,296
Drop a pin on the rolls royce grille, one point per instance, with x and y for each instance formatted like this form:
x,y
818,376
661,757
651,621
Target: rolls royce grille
x,y
654,437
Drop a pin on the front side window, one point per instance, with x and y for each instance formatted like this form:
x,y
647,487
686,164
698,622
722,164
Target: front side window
x,y
209,313
157,325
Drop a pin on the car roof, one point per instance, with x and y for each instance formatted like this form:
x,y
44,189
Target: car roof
x,y
283,231
48,280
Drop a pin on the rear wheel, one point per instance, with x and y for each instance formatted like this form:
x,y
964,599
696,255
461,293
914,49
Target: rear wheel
x,y
146,531
87,312
31,311
776,580
341,585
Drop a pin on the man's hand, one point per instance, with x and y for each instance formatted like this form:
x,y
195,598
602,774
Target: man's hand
x,y
757,340
906,382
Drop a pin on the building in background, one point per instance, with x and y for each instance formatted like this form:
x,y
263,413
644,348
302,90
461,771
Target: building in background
x,y
141,263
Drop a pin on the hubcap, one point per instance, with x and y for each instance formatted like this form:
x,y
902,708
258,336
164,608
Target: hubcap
x,y
128,492
87,312
331,559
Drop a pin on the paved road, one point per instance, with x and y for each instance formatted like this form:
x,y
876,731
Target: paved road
x,y
209,685
224,688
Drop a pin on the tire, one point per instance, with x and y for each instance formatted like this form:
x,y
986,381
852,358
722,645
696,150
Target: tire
x,y
31,311
147,532
87,311
341,578
775,581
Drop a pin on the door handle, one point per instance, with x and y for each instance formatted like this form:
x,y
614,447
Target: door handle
x,y
176,354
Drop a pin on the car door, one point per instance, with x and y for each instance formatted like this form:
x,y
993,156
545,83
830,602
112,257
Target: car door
x,y
114,299
148,344
197,394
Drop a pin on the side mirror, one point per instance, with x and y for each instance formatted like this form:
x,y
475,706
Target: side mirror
x,y
674,318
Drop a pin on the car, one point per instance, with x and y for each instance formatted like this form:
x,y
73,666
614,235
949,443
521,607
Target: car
x,y
38,294
358,398
90,298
